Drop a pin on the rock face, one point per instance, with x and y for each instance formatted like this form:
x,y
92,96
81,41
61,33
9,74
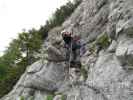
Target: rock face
x,y
109,65
41,78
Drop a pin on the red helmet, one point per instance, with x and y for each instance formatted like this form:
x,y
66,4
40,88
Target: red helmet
x,y
66,33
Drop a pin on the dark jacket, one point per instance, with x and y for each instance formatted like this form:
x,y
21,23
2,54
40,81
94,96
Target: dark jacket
x,y
70,41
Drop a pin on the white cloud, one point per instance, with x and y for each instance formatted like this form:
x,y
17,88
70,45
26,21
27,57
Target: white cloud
x,y
16,15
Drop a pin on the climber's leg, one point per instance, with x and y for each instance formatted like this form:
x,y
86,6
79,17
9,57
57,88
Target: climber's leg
x,y
77,60
67,54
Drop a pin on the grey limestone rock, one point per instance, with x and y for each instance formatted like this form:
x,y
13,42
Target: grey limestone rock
x,y
108,78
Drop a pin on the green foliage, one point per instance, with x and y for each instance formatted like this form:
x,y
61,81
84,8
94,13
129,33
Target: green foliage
x,y
103,40
9,80
30,43
13,63
50,97
22,98
2,69
84,72
31,98
63,97
92,48
60,15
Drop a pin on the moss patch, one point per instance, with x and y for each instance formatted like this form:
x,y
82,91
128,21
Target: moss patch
x,y
103,40
50,97
22,98
63,97
84,72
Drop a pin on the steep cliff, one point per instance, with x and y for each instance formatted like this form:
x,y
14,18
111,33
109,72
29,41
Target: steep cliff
x,y
108,26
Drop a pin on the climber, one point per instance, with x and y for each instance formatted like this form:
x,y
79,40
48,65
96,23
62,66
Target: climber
x,y
72,45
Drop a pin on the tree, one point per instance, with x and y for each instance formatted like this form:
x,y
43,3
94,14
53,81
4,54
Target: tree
x,y
31,42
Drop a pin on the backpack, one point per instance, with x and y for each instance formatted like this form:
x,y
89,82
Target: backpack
x,y
80,44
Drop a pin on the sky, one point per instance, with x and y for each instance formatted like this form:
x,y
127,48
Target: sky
x,y
16,15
